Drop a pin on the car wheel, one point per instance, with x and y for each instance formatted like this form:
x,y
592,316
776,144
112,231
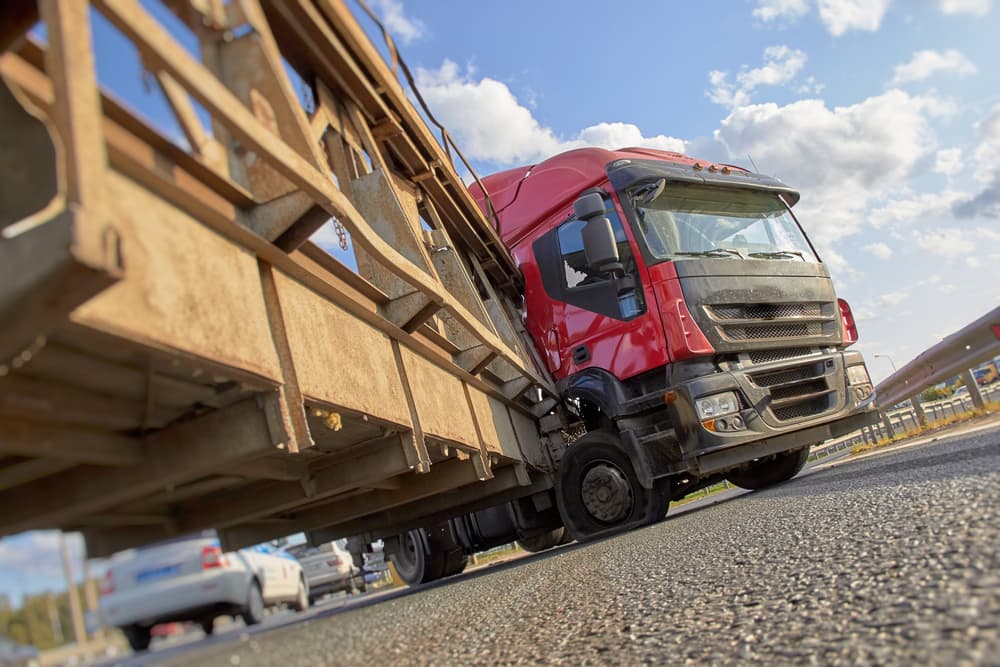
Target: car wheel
x,y
302,599
138,636
207,626
253,610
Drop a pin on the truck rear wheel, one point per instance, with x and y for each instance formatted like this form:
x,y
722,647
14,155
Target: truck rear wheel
x,y
417,565
543,541
598,492
764,473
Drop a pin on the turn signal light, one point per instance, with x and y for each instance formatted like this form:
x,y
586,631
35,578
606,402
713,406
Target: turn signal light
x,y
847,319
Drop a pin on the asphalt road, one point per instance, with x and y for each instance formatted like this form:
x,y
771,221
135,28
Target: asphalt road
x,y
892,558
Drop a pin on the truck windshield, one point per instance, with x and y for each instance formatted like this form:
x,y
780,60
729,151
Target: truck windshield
x,y
687,221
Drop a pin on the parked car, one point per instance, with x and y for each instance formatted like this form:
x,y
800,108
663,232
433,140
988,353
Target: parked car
x,y
191,579
329,568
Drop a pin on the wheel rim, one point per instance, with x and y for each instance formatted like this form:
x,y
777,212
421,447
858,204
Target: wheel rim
x,y
407,559
256,603
606,492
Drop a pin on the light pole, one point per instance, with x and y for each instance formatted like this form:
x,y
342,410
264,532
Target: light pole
x,y
886,356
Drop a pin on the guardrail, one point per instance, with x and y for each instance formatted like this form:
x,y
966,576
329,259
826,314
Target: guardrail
x,y
969,346
900,421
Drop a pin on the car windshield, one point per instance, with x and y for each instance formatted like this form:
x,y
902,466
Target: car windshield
x,y
687,221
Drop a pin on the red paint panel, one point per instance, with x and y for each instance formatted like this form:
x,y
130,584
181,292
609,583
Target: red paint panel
x,y
684,339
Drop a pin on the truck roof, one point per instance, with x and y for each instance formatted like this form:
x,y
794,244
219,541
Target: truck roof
x,y
522,202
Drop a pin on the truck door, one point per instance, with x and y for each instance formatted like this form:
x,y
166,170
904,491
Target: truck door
x,y
595,325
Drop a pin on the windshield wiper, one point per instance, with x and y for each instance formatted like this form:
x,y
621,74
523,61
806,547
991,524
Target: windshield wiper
x,y
712,252
779,254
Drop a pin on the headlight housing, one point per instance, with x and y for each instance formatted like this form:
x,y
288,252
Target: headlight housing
x,y
858,375
717,405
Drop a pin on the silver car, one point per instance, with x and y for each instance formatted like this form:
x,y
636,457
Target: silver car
x,y
192,579
328,569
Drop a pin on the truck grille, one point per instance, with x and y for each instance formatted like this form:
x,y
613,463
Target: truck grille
x,y
768,356
767,311
763,322
801,410
771,331
797,392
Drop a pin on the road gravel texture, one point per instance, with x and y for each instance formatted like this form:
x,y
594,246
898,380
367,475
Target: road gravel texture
x,y
890,559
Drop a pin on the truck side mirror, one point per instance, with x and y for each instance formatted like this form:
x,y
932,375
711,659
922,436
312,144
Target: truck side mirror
x,y
599,245
589,206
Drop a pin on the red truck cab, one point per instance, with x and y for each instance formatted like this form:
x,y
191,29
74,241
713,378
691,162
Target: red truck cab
x,y
688,321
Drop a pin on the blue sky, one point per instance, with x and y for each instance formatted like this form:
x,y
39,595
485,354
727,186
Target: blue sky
x,y
885,113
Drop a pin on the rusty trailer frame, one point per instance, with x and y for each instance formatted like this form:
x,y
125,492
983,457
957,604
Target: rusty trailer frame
x,y
177,355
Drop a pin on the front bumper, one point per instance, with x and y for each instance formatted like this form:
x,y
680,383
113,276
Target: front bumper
x,y
784,405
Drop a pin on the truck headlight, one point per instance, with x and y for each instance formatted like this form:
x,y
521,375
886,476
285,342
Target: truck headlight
x,y
858,375
717,405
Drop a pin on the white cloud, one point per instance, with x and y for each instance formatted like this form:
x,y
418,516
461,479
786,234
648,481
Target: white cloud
x,y
781,65
987,158
948,161
839,16
769,10
893,298
879,249
926,205
36,554
987,234
945,241
972,262
399,25
843,159
490,124
927,63
975,7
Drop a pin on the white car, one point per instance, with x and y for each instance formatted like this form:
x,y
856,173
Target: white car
x,y
328,568
191,579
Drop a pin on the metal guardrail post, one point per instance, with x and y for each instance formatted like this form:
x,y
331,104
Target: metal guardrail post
x,y
970,382
888,424
918,410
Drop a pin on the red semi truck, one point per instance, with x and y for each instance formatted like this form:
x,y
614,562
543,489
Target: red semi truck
x,y
690,326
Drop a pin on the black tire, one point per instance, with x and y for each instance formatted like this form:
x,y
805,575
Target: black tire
x,y
764,473
411,560
598,492
253,610
138,636
207,626
302,599
543,541
416,566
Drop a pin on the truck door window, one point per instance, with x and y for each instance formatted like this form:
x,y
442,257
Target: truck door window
x,y
567,278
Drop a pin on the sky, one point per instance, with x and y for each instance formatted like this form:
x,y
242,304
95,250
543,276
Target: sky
x,y
885,114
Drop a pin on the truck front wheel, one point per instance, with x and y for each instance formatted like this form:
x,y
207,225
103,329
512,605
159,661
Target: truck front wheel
x,y
598,492
764,473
